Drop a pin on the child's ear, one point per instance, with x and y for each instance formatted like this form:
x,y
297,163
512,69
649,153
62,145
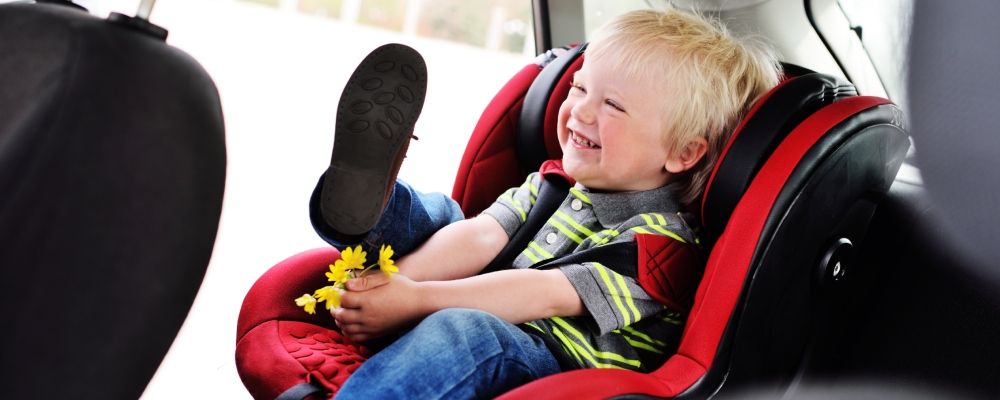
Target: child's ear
x,y
688,156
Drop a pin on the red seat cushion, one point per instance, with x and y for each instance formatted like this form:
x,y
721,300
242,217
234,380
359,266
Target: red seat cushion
x,y
279,345
489,164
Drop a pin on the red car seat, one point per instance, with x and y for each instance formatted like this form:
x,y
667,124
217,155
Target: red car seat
x,y
787,204
792,193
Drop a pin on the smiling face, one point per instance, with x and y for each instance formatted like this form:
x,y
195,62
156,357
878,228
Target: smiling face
x,y
612,129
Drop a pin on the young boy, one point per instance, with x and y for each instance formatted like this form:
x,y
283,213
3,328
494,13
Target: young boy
x,y
645,119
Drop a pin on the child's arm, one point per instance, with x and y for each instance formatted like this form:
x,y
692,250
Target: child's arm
x,y
459,250
515,295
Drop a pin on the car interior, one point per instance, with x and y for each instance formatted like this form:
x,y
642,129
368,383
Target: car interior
x,y
848,249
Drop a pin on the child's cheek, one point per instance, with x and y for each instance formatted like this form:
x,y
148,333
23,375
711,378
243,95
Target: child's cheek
x,y
561,132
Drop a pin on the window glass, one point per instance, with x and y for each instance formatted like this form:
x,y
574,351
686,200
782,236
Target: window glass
x,y
280,64
885,31
597,12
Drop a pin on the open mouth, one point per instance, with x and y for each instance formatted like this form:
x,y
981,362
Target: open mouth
x,y
582,141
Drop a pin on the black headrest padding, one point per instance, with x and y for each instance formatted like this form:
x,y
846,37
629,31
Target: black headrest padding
x,y
790,70
763,131
112,168
529,141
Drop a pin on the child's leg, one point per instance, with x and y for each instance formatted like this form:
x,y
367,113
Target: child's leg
x,y
453,353
409,218
357,200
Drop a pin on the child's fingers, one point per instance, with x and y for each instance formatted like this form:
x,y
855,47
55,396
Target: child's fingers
x,y
367,282
351,300
335,313
359,337
349,316
355,333
352,329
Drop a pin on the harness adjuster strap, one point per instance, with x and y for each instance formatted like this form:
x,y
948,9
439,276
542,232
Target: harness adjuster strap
x,y
551,193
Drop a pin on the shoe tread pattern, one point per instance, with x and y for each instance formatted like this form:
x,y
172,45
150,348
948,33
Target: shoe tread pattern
x,y
375,118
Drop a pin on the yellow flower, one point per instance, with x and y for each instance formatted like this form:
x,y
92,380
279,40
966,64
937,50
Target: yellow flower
x,y
307,302
330,295
385,262
352,259
337,274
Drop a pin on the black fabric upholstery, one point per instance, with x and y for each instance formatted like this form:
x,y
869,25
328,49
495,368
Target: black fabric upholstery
x,y
112,168
789,70
783,110
529,141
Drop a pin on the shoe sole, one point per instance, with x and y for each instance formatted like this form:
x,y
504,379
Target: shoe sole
x,y
375,117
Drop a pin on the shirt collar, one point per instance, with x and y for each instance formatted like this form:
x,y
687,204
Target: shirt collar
x,y
614,208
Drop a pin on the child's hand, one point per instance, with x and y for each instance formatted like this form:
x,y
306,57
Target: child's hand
x,y
369,281
376,305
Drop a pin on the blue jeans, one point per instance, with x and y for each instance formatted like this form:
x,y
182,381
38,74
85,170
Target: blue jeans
x,y
409,218
453,353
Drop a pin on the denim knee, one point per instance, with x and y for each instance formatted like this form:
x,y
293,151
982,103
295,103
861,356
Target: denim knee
x,y
453,353
459,319
462,328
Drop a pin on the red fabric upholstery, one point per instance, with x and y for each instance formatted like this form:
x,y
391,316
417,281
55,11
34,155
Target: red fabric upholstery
x,y
721,284
668,270
489,164
278,345
554,167
278,354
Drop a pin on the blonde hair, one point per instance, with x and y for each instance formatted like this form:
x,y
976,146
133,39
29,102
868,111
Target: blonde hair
x,y
714,77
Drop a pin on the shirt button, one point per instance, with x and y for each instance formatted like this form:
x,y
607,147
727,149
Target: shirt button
x,y
576,204
551,238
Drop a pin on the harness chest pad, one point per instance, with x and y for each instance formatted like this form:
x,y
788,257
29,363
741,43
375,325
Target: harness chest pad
x,y
669,270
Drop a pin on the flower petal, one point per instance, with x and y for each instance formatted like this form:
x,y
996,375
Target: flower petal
x,y
307,302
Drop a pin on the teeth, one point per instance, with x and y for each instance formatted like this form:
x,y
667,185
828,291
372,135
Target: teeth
x,y
580,140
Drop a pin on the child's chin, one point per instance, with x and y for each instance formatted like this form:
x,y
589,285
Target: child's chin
x,y
578,174
572,167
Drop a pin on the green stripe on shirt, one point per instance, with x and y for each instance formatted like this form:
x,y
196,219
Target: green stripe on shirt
x,y
579,228
587,348
626,316
628,297
562,228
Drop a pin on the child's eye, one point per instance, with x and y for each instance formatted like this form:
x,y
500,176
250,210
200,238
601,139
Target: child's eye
x,y
577,86
614,105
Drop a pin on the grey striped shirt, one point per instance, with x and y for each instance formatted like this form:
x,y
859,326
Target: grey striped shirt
x,y
625,327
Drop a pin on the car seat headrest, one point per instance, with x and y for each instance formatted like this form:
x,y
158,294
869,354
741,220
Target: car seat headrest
x,y
113,165
536,139
771,118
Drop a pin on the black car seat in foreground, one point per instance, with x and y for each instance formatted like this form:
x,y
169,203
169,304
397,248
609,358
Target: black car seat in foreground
x,y
788,202
112,167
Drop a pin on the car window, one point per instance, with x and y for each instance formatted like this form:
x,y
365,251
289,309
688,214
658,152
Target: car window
x,y
597,12
280,66
884,28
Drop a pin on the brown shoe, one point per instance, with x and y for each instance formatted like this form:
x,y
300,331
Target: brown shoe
x,y
375,118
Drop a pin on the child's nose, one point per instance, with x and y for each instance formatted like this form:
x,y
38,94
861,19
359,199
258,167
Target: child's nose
x,y
583,111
